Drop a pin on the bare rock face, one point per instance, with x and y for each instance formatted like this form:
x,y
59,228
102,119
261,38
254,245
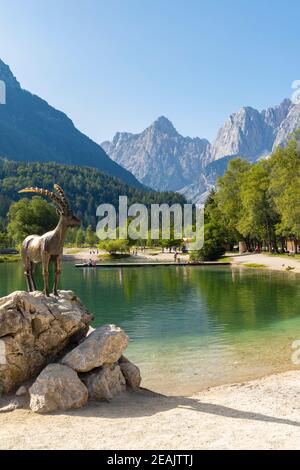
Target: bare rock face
x,y
57,388
105,382
35,330
288,126
243,134
103,346
131,373
160,157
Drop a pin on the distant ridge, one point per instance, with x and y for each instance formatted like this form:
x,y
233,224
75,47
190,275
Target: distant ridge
x,y
32,130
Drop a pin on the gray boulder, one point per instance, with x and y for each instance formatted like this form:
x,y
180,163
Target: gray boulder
x,y
10,406
57,388
22,391
36,330
105,382
131,373
103,346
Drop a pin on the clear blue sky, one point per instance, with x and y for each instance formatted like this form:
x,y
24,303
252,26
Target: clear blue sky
x,y
116,65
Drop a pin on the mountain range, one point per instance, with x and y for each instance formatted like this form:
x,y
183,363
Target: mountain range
x,y
31,130
165,160
159,157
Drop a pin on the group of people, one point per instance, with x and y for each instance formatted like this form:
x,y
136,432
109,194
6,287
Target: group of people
x,y
92,262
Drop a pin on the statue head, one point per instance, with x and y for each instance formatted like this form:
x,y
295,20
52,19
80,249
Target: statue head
x,y
62,205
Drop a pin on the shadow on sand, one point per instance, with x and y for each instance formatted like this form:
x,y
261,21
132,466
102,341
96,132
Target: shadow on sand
x,y
147,403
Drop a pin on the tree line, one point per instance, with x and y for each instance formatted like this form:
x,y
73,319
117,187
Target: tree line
x,y
258,203
86,188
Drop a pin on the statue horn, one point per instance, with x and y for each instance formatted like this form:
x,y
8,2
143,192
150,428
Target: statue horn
x,y
61,193
44,192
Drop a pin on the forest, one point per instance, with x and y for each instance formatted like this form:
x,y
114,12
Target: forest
x,y
258,203
85,187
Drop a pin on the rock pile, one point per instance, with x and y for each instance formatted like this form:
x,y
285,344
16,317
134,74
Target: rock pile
x,y
46,339
35,330
57,387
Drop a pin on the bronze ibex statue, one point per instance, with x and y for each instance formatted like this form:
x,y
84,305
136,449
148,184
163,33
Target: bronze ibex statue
x,y
48,247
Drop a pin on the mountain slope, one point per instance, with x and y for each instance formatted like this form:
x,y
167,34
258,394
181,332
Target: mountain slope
x,y
85,187
32,130
159,156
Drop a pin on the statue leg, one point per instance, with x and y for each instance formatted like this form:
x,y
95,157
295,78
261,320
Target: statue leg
x,y
28,281
57,269
32,266
45,264
27,272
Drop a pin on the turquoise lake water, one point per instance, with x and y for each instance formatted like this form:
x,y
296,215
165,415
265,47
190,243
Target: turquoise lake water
x,y
190,327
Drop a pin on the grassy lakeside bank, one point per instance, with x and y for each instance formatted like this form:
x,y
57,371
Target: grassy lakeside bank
x,y
9,258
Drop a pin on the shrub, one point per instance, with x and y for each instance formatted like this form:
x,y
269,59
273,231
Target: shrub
x,y
213,247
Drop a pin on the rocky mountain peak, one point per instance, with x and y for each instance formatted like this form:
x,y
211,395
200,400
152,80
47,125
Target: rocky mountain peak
x,y
159,156
275,115
242,134
162,158
163,125
288,126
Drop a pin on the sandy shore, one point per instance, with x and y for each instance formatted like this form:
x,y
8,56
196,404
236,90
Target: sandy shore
x,y
84,254
261,414
277,263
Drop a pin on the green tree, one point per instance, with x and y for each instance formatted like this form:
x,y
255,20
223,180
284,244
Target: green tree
x,y
259,202
114,246
228,198
285,188
71,236
258,219
30,216
5,240
90,236
80,237
213,247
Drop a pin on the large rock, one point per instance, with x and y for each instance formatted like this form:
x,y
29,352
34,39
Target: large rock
x,y
105,382
35,330
131,373
57,388
103,346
